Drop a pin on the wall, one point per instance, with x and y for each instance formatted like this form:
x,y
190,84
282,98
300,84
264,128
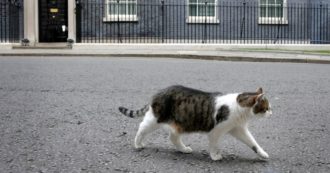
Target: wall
x,y
236,24
11,21
312,24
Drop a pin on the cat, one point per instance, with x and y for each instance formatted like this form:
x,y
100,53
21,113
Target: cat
x,y
186,110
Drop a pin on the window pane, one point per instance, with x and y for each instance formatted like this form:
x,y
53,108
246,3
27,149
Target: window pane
x,y
201,10
122,8
271,8
271,2
192,10
263,12
211,10
198,8
112,9
131,9
279,2
271,12
279,12
263,2
210,1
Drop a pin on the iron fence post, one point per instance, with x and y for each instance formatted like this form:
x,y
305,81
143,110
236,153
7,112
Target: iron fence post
x,y
320,23
328,34
9,21
163,22
205,24
278,25
243,22
118,24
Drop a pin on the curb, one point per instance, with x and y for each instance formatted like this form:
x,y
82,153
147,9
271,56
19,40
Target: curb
x,y
184,56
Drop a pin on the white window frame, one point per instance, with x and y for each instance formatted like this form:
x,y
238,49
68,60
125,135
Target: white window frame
x,y
203,19
121,17
274,20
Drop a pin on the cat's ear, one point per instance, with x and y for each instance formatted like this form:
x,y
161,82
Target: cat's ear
x,y
259,97
248,99
260,91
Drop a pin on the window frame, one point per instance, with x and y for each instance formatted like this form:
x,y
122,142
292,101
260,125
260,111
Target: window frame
x,y
202,19
120,17
273,20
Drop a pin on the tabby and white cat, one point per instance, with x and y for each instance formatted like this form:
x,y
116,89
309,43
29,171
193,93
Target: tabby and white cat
x,y
186,110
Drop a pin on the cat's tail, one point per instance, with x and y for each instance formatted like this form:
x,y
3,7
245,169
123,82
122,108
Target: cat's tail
x,y
133,113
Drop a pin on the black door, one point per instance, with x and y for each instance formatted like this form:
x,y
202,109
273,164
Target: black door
x,y
53,20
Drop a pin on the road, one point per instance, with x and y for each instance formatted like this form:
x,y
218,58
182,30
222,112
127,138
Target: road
x,y
59,114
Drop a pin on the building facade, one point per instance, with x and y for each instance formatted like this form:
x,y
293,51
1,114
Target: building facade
x,y
172,21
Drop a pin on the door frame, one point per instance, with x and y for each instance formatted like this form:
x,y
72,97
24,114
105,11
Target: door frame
x,y
37,20
31,20
41,17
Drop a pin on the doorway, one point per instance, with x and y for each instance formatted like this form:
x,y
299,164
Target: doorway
x,y
53,21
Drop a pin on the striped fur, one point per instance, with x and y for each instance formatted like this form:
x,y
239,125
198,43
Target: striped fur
x,y
190,110
134,113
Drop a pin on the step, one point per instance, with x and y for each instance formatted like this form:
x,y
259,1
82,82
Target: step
x,y
44,46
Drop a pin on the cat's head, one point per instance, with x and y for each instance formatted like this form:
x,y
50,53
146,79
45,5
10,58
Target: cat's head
x,y
257,101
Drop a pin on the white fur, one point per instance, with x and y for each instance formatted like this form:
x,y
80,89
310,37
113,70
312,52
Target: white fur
x,y
236,125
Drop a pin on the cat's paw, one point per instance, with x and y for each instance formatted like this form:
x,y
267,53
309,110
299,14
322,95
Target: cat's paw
x,y
186,150
263,154
216,156
139,145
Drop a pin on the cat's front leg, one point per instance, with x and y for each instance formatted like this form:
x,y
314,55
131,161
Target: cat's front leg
x,y
260,152
215,152
244,135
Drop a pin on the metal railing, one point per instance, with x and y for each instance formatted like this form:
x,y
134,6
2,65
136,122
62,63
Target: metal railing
x,y
222,23
231,22
11,21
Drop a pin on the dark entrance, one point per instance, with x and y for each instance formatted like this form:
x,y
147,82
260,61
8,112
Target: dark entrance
x,y
53,20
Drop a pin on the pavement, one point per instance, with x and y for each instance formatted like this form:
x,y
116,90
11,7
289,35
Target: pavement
x,y
253,53
59,114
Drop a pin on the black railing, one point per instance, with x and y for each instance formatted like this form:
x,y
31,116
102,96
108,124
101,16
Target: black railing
x,y
11,21
224,22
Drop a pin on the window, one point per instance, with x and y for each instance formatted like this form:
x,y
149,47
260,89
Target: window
x,y
200,12
122,10
272,12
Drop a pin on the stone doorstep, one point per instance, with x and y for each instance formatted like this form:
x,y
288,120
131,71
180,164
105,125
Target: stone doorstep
x,y
44,46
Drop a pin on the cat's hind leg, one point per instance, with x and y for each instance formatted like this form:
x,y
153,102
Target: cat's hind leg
x,y
148,125
176,140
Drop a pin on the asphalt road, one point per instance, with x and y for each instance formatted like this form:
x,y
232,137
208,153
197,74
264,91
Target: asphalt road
x,y
59,114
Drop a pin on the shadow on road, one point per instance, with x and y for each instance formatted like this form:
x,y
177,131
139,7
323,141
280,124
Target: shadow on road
x,y
170,154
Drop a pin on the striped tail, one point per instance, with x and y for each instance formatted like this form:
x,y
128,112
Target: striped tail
x,y
132,113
